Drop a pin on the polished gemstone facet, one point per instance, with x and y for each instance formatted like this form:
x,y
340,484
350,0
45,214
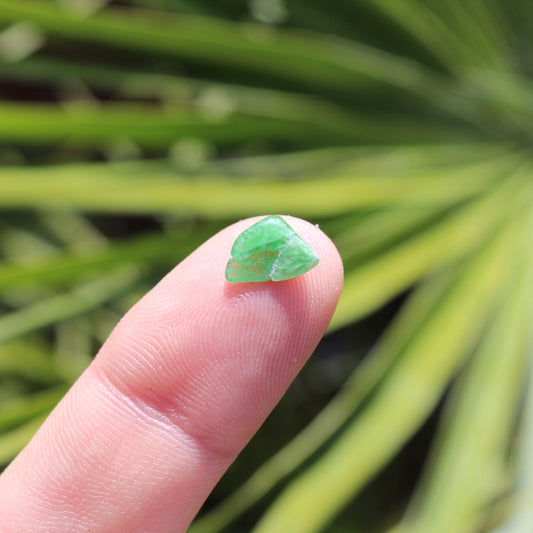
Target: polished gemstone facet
x,y
269,250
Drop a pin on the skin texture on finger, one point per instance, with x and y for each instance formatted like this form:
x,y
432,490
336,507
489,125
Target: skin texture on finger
x,y
178,389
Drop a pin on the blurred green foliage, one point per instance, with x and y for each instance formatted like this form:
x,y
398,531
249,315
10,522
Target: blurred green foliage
x,y
132,130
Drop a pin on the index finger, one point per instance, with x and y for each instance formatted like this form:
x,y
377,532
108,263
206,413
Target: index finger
x,y
178,389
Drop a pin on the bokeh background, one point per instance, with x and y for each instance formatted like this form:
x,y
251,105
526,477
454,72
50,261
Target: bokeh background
x,y
131,130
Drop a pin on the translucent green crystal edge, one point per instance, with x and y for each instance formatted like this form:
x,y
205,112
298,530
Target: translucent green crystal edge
x,y
309,260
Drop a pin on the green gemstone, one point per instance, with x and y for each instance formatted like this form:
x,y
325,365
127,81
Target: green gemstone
x,y
269,250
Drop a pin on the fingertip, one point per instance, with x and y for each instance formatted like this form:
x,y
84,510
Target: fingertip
x,y
201,343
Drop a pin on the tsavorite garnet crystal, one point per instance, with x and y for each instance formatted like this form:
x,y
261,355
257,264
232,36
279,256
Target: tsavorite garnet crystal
x,y
269,250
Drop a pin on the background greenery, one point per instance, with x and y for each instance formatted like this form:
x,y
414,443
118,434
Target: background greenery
x,y
132,130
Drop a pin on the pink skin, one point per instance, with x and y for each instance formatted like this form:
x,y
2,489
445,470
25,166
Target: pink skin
x,y
181,385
